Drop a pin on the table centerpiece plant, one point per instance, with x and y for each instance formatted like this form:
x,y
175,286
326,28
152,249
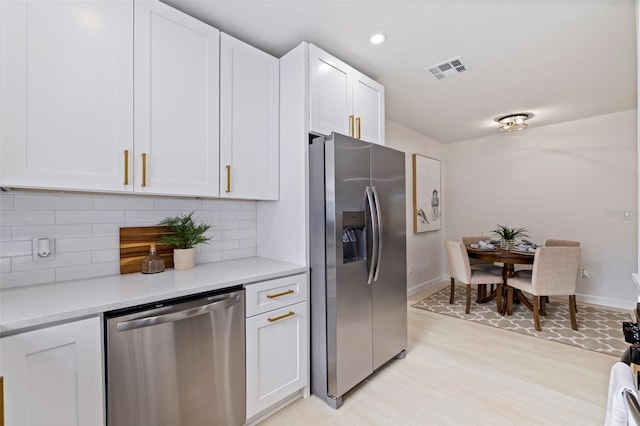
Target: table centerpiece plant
x,y
185,235
508,235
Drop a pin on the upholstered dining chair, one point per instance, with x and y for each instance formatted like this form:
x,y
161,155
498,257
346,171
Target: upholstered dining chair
x,y
460,269
555,273
481,264
550,243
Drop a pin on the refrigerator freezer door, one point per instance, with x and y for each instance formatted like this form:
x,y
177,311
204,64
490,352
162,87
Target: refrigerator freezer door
x,y
349,315
389,298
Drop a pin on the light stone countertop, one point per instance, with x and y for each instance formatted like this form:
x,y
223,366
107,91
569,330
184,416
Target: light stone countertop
x,y
35,306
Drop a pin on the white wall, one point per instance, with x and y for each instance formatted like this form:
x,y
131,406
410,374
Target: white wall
x,y
87,231
425,251
572,180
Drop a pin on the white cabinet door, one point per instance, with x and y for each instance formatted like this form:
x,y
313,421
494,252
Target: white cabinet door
x,y
343,100
53,376
330,92
249,121
176,102
277,356
368,108
66,93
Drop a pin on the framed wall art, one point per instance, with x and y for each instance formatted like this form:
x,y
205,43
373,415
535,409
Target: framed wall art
x,y
427,211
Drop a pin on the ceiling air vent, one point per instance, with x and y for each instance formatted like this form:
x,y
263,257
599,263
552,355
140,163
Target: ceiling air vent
x,y
449,68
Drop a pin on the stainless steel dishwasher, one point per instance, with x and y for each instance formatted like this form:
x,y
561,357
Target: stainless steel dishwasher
x,y
177,363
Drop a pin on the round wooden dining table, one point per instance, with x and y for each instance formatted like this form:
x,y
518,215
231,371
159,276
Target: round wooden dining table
x,y
508,258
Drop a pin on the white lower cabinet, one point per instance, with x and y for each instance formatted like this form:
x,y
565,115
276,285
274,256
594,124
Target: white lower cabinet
x,y
54,376
277,342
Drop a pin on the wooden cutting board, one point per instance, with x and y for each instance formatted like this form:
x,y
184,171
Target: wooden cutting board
x,y
134,246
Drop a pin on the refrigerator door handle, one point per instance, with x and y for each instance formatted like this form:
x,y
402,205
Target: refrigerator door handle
x,y
376,198
374,234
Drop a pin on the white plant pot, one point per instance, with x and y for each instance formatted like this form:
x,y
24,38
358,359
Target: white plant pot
x,y
184,258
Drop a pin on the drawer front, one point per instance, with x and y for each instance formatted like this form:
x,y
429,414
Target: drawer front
x,y
273,294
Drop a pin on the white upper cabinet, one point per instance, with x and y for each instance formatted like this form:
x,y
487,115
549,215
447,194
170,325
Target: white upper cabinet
x,y
249,121
176,102
66,93
343,100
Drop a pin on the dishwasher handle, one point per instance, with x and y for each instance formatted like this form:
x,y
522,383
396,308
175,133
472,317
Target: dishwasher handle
x,y
177,316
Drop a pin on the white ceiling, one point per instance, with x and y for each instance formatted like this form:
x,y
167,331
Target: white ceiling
x,y
561,60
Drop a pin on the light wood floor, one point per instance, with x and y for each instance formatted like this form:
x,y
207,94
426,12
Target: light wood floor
x,y
461,373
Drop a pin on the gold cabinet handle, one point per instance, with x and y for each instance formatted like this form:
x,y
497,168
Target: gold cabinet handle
x,y
126,167
144,169
351,125
1,401
228,179
284,293
358,125
287,315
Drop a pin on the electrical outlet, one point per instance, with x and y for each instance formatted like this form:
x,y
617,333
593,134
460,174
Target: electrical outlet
x,y
43,249
584,273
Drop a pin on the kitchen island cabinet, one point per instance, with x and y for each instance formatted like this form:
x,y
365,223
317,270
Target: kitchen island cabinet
x,y
343,100
249,121
277,343
54,375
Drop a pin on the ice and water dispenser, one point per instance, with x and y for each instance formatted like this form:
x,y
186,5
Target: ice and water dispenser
x,y
353,236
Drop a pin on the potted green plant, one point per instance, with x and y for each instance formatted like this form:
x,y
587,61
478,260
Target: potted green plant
x,y
508,235
185,235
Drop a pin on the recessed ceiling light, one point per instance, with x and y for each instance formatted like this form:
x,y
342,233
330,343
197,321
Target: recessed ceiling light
x,y
378,38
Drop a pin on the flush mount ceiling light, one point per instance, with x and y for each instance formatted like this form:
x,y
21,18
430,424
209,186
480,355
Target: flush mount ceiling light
x,y
378,38
513,122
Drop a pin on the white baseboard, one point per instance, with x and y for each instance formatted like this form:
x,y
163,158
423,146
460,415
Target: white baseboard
x,y
607,301
427,284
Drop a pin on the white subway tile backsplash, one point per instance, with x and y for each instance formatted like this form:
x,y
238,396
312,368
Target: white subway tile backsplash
x,y
93,216
87,231
238,254
5,265
102,256
123,203
22,217
15,248
247,224
147,218
28,232
240,234
5,233
103,229
53,202
25,278
239,215
183,205
249,242
87,271
249,205
230,245
25,263
6,201
209,256
70,245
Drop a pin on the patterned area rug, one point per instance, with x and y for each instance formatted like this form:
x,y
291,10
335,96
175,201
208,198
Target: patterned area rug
x,y
599,329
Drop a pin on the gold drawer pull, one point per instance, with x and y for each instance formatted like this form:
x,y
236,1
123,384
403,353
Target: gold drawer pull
x,y
284,293
290,314
351,133
358,126
228,179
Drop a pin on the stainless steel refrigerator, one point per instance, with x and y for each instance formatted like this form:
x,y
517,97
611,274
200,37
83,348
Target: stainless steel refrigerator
x,y
357,236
